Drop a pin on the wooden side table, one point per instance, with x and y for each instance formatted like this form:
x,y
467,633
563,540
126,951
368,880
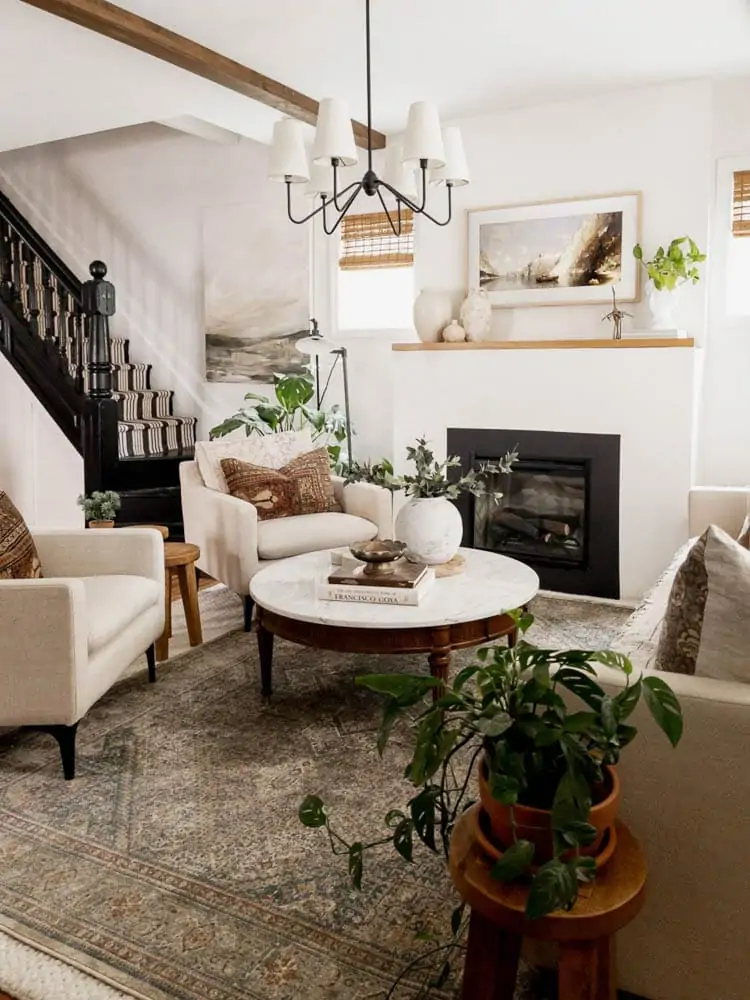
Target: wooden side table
x,y
180,558
586,935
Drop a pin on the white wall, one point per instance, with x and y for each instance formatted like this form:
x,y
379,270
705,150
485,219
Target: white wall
x,y
134,198
39,469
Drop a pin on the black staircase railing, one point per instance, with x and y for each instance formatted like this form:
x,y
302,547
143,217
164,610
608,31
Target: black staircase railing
x,y
54,330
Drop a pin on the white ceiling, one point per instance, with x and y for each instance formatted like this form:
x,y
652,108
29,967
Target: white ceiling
x,y
469,57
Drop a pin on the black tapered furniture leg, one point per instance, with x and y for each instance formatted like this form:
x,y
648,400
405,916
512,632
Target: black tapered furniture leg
x,y
249,605
151,658
66,738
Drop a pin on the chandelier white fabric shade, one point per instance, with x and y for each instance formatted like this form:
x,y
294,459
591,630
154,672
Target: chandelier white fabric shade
x,y
334,136
288,157
423,139
314,346
456,169
397,173
321,180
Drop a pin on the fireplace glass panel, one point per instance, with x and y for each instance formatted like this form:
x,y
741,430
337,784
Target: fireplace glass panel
x,y
541,514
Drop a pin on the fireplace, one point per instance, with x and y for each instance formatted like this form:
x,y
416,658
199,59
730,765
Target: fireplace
x,y
559,508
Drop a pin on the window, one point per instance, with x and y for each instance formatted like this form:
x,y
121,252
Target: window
x,y
738,254
376,273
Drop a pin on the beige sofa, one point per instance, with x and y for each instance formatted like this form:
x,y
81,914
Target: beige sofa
x,y
66,639
234,544
691,808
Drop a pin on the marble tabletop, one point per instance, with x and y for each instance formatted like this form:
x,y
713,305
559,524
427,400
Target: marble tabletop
x,y
490,585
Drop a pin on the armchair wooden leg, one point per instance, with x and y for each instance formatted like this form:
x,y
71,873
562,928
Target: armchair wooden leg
x,y
66,738
151,659
249,605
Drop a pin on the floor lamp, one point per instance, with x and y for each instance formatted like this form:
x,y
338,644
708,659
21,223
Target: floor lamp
x,y
316,345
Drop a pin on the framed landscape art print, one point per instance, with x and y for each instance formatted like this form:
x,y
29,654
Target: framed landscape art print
x,y
556,253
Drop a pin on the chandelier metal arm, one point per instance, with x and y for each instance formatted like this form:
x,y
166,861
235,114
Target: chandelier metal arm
x,y
396,232
340,194
306,218
342,212
445,222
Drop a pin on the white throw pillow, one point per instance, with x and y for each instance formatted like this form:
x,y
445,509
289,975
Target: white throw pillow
x,y
272,451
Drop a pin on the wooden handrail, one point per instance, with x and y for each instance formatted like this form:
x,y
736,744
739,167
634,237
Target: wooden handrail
x,y
41,248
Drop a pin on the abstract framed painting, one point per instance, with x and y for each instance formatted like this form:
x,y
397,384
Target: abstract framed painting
x,y
256,293
572,252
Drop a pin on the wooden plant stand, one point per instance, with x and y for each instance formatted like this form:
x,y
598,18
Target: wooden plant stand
x,y
585,935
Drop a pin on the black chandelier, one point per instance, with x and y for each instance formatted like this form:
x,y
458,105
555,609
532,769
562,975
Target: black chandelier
x,y
436,154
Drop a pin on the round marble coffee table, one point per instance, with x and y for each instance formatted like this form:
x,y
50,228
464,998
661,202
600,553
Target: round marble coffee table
x,y
457,612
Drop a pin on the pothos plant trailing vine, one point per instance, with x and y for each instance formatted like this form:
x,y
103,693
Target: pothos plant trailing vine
x,y
507,709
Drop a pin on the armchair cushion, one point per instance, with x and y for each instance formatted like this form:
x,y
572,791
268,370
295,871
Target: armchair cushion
x,y
113,603
270,450
292,536
18,556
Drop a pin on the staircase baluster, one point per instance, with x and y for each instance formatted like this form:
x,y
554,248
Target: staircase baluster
x,y
32,295
63,327
17,271
49,313
77,338
6,263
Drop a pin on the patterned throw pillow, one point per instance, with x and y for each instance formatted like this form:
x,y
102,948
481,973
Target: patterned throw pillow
x,y
302,487
18,555
706,629
271,493
272,451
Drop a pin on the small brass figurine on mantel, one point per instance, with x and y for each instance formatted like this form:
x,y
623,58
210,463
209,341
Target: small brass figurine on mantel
x,y
616,316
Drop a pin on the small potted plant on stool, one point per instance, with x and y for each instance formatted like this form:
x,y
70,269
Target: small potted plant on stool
x,y
100,508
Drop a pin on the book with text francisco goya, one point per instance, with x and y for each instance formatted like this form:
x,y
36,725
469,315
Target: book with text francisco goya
x,y
355,594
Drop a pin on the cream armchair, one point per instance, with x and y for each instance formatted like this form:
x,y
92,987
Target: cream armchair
x,y
234,544
65,639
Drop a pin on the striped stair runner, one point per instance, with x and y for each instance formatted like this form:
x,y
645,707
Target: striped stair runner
x,y
148,427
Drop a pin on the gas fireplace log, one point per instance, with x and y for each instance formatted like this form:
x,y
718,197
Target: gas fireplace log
x,y
514,522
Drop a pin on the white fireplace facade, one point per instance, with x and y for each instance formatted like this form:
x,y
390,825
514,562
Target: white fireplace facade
x,y
643,394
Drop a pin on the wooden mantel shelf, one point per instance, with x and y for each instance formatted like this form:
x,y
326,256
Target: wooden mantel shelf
x,y
549,345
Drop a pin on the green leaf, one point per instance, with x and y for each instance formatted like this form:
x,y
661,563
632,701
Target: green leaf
x,y
403,840
548,735
638,252
626,734
664,707
442,977
393,817
572,802
585,869
494,725
580,722
355,864
505,788
465,675
312,812
541,674
422,809
514,862
578,833
580,684
456,917
391,713
625,702
554,887
405,689
609,719
612,659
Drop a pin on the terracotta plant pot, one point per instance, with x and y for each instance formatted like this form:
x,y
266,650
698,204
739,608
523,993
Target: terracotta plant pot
x,y
535,825
101,524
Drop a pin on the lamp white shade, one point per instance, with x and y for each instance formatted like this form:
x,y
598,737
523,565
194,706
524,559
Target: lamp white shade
x,y
397,173
334,136
456,169
288,158
314,345
423,139
321,180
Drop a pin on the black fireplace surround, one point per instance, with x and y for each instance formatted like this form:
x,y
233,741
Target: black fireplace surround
x,y
560,509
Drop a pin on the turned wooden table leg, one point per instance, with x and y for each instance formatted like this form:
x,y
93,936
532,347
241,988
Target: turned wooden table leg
x,y
189,590
440,661
606,968
162,643
265,651
577,974
491,961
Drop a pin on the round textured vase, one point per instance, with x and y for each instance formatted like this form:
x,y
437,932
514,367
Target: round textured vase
x,y
101,524
476,315
535,825
662,305
432,529
433,311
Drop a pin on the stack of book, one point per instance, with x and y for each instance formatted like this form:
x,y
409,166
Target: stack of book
x,y
347,581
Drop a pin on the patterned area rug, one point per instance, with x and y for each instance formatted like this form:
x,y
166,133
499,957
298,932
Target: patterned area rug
x,y
174,866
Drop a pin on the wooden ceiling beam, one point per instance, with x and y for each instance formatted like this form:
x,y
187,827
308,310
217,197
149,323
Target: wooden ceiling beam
x,y
121,25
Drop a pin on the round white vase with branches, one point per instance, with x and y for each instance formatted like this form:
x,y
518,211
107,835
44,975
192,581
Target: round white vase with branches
x,y
433,311
432,529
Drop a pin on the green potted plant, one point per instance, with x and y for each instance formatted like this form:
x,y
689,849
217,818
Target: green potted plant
x,y
290,410
545,763
100,508
668,271
430,525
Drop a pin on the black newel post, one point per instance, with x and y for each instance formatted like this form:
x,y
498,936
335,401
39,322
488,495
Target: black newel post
x,y
100,435
98,306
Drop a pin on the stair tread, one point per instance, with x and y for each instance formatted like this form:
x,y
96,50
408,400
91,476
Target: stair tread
x,y
185,453
156,421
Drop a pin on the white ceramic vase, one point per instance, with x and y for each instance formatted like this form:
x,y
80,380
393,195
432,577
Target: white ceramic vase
x,y
476,315
662,305
432,529
454,333
433,311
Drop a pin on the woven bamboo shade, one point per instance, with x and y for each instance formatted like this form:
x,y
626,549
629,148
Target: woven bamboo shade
x,y
368,241
741,204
